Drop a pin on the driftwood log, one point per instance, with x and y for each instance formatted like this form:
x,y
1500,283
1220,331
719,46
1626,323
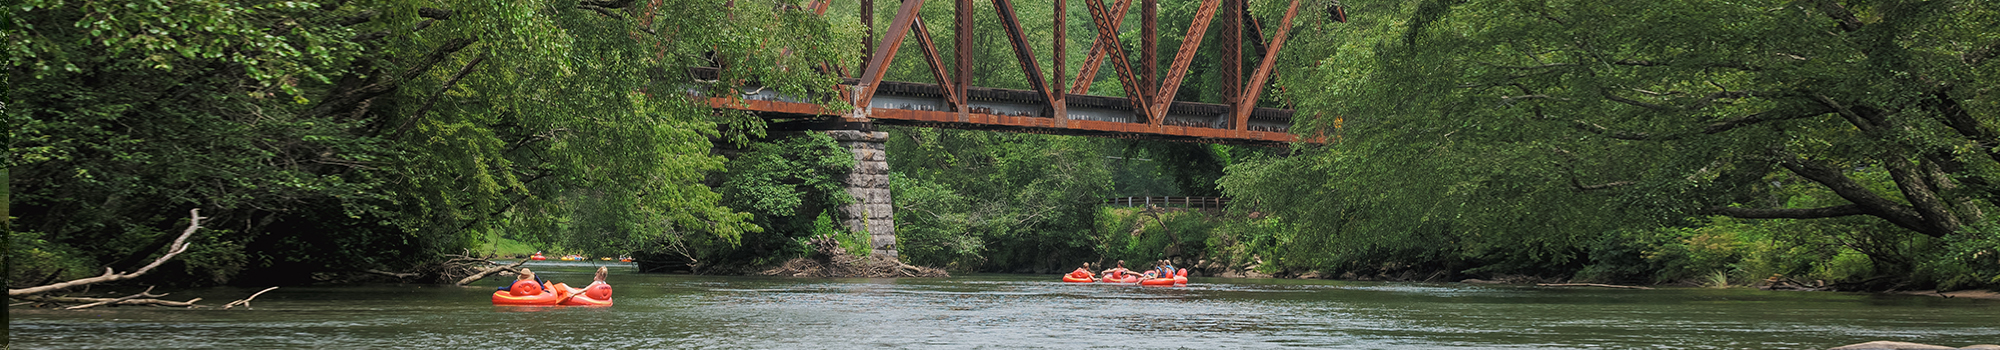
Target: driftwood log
x,y
393,274
147,297
832,260
1590,285
179,245
141,299
246,301
490,270
111,301
148,293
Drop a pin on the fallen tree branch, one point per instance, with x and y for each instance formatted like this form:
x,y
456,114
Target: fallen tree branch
x,y
179,245
246,301
392,274
158,302
489,271
135,299
147,294
1590,285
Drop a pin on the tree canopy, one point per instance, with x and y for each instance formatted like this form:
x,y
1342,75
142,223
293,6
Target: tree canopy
x,y
1532,131
376,134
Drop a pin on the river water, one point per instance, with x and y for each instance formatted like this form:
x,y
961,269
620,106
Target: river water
x,y
1015,311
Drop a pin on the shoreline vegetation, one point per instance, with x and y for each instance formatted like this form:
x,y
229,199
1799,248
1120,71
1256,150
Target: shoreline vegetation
x,y
1825,145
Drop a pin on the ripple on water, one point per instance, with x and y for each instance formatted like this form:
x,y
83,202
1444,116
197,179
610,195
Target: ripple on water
x,y
671,311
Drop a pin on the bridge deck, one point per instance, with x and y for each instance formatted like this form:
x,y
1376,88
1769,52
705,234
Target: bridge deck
x,y
1026,111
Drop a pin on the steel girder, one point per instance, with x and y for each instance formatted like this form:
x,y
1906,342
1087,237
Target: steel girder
x,y
1150,95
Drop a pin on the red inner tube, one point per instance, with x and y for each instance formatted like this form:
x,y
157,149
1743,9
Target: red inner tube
x,y
1126,279
529,293
596,294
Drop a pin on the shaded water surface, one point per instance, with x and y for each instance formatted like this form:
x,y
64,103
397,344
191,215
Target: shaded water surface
x,y
1017,311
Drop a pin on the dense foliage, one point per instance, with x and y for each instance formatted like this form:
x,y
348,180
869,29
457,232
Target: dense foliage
x,y
349,135
1621,141
979,200
1627,140
792,186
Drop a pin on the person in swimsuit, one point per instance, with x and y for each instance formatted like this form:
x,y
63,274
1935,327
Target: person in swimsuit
x,y
597,290
1083,272
525,275
1117,272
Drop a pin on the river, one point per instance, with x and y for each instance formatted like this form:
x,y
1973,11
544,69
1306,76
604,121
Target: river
x,y
1015,311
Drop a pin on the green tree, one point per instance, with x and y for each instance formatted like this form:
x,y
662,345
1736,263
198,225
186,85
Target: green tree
x,y
791,185
973,200
343,135
1526,130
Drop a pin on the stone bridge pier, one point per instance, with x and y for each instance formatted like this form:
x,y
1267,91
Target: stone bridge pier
x,y
873,211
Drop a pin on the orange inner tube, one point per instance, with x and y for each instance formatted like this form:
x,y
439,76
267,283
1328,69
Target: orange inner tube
x,y
530,293
595,294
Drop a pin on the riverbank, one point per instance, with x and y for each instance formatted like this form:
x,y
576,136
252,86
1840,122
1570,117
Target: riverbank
x,y
1533,280
1965,294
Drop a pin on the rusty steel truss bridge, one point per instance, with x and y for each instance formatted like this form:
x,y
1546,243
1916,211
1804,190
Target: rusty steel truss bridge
x,y
1148,110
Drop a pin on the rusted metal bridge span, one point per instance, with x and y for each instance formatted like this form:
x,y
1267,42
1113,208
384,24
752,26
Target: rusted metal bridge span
x,y
1147,111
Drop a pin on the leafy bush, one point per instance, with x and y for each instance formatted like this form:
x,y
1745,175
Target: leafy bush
x,y
932,226
789,185
1137,237
969,200
35,261
855,242
1965,261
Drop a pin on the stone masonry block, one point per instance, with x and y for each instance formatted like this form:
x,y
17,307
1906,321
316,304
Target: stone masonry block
x,y
871,168
867,181
857,135
869,155
881,211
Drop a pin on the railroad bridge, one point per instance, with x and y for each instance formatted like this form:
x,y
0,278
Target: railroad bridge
x,y
1147,111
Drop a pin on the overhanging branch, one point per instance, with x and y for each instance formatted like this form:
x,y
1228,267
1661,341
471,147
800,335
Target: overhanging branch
x,y
428,103
347,99
1875,205
1765,116
1621,99
1712,128
1805,213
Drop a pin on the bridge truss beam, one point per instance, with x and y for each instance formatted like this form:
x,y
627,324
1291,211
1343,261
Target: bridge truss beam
x,y
1149,106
